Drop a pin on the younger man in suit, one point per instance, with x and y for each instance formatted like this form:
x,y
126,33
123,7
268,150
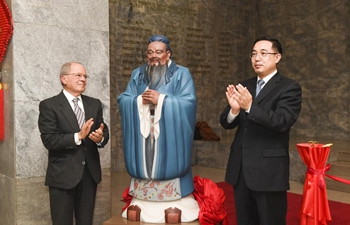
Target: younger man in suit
x,y
258,166
72,129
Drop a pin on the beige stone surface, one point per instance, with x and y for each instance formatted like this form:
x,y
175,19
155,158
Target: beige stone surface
x,y
7,200
33,204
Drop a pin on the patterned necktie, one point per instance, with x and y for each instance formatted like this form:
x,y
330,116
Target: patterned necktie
x,y
259,86
78,112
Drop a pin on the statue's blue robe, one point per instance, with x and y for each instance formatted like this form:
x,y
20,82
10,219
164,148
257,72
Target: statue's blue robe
x,y
176,127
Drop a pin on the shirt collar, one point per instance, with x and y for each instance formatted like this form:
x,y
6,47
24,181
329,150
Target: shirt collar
x,y
69,96
268,77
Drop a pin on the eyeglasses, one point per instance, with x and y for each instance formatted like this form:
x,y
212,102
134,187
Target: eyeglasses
x,y
78,76
261,54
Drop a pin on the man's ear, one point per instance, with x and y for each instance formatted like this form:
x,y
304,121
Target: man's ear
x,y
278,58
63,79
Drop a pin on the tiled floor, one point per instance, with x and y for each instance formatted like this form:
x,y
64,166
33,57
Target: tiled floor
x,y
121,180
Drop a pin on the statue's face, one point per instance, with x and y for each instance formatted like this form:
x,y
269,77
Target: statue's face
x,y
157,54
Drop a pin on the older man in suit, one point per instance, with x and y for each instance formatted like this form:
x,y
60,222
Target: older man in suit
x,y
72,129
264,108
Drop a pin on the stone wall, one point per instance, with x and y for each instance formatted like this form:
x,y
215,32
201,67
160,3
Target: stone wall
x,y
316,40
213,39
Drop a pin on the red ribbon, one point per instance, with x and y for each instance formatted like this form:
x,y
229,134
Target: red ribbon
x,y
322,172
342,180
126,198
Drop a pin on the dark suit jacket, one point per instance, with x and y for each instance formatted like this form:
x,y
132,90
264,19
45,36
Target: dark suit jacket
x,y
261,144
57,125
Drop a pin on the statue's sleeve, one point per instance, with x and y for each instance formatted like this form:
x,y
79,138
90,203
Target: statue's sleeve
x,y
132,141
177,127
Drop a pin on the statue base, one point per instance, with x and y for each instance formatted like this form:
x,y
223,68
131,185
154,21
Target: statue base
x,y
184,210
119,220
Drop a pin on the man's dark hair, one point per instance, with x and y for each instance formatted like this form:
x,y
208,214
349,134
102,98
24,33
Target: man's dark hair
x,y
275,43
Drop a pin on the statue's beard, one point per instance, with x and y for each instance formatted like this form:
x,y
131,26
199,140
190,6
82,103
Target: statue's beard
x,y
155,73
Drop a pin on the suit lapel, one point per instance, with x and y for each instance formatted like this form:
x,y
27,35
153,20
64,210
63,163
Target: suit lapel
x,y
67,111
87,107
251,86
269,86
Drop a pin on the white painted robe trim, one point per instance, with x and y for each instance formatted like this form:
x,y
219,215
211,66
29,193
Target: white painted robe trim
x,y
145,116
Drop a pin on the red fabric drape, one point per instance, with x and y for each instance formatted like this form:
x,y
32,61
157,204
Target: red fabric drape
x,y
211,201
126,198
315,208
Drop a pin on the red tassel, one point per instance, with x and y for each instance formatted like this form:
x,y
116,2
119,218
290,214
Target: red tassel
x,y
6,27
2,127
6,30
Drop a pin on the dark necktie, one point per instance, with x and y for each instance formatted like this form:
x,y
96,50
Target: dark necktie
x,y
259,86
78,112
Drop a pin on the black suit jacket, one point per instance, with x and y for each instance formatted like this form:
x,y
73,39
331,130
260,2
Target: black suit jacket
x,y
57,125
261,144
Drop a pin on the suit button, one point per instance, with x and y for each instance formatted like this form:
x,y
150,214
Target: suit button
x,y
83,163
245,129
